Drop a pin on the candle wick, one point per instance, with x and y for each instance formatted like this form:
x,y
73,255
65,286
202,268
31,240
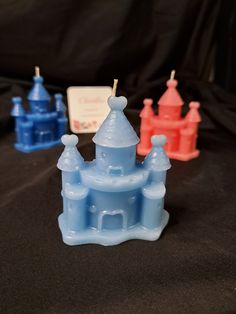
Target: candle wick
x,y
114,87
172,75
37,71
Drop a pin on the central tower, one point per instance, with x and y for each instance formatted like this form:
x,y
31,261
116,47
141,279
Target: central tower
x,y
116,141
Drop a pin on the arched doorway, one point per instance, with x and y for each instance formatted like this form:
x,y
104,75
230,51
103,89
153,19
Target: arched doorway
x,y
112,220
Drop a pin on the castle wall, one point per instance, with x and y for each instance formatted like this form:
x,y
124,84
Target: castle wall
x,y
26,131
145,137
173,137
187,141
115,161
115,205
169,112
70,177
61,126
75,209
157,176
77,214
39,106
151,212
18,122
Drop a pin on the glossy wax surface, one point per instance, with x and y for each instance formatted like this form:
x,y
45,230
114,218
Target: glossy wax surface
x,y
113,198
43,125
181,132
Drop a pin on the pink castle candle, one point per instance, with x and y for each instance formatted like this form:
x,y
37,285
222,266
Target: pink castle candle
x,y
181,132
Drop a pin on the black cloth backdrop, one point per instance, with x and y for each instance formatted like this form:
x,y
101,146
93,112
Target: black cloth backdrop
x,y
192,268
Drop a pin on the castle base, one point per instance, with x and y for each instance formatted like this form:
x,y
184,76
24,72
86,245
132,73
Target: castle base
x,y
35,147
111,237
173,155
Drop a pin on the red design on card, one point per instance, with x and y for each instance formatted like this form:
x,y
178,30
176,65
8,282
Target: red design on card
x,y
76,124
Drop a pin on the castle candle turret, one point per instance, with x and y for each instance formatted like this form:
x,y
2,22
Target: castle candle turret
x,y
42,126
181,132
18,113
113,198
146,124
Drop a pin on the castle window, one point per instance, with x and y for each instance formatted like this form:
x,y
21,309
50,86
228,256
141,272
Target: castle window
x,y
117,171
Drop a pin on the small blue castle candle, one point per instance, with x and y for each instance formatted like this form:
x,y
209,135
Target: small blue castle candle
x,y
113,198
43,126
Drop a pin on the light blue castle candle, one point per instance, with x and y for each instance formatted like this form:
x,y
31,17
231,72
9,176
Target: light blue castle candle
x,y
43,126
113,198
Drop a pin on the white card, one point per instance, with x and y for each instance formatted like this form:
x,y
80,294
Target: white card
x,y
88,107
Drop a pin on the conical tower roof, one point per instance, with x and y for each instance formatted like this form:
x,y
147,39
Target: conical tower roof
x,y
60,106
18,110
193,114
116,131
70,160
157,159
38,92
171,97
147,110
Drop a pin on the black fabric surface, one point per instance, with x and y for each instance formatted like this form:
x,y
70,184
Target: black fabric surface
x,y
92,42
192,268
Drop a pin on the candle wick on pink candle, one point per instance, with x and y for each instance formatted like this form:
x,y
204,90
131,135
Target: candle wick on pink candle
x,y
172,75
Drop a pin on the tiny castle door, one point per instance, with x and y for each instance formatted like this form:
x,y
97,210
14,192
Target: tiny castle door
x,y
110,220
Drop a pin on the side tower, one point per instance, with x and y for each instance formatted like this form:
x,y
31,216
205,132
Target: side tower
x,y
74,194
153,215
42,126
188,135
61,115
18,113
146,128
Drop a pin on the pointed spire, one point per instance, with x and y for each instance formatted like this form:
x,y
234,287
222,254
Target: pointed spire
x,y
193,114
157,159
18,110
171,97
116,131
70,159
38,91
60,106
147,110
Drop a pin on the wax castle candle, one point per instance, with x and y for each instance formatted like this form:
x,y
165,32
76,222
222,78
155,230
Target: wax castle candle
x,y
181,132
43,126
114,198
